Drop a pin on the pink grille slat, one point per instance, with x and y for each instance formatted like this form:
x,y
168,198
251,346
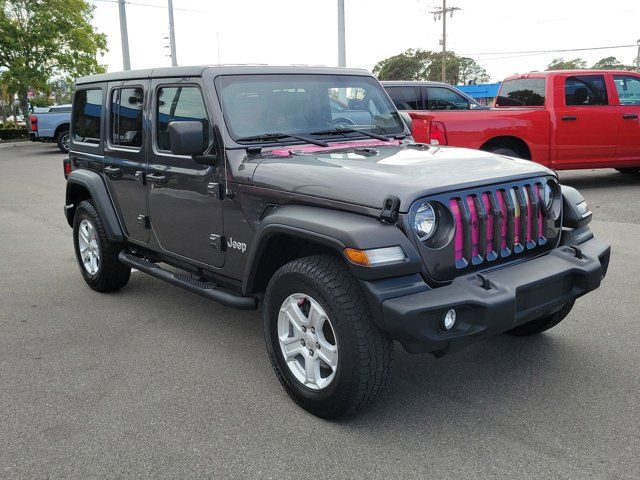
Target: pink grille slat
x,y
503,218
529,215
459,238
487,208
537,190
474,226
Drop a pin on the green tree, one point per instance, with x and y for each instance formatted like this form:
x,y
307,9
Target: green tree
x,y
561,64
427,65
42,39
611,63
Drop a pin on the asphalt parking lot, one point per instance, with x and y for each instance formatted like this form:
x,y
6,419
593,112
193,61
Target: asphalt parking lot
x,y
156,382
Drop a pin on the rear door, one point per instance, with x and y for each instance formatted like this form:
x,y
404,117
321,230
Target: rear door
x,y
586,121
443,98
628,90
184,204
125,155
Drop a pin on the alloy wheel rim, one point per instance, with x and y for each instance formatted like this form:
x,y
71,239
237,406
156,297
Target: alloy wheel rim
x,y
307,341
88,247
65,141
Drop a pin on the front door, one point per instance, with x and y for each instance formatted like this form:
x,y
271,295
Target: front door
x,y
184,205
125,156
586,125
628,88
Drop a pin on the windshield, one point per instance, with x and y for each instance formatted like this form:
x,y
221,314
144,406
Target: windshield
x,y
258,105
522,92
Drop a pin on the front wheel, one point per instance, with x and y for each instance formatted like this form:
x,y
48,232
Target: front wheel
x,y
541,324
328,355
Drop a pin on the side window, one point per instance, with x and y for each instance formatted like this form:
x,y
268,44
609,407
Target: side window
x,y
445,99
176,104
628,89
126,117
87,114
585,90
405,98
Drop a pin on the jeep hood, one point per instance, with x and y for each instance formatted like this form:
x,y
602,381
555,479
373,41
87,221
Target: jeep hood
x,y
365,175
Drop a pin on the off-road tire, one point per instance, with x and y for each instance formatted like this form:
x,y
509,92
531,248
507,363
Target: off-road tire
x,y
541,324
59,140
365,352
111,274
629,171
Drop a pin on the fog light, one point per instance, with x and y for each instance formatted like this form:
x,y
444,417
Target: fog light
x,y
449,319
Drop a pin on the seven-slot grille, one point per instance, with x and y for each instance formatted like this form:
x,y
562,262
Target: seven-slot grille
x,y
498,223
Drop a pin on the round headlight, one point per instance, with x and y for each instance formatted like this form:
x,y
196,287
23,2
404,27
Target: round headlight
x,y
425,222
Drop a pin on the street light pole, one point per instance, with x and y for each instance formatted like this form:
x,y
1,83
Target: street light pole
x,y
124,36
342,55
172,36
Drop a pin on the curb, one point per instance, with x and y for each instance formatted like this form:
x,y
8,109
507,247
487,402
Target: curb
x,y
16,144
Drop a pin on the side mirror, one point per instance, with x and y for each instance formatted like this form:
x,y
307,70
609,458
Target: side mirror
x,y
186,138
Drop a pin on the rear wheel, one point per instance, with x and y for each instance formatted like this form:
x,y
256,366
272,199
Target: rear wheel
x,y
62,140
328,355
504,151
632,171
541,324
97,256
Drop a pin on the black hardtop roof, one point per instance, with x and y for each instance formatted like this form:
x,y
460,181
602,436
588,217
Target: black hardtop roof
x,y
197,71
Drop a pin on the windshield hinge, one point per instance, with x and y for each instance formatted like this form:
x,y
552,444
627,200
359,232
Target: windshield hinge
x,y
390,209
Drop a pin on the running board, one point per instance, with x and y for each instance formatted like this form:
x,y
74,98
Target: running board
x,y
206,289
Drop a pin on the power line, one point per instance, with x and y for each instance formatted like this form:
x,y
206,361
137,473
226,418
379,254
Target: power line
x,y
539,52
151,5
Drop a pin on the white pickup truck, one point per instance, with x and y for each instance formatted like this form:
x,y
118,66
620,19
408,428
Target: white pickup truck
x,y
51,126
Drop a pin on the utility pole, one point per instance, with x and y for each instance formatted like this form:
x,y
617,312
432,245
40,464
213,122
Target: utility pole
x,y
342,55
437,15
124,36
172,36
638,57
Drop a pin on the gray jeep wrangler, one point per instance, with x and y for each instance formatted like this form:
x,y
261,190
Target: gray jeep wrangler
x,y
300,190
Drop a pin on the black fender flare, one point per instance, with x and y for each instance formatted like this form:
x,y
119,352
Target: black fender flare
x,y
94,184
337,230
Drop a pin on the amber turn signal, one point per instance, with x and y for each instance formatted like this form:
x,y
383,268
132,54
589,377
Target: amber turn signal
x,y
358,257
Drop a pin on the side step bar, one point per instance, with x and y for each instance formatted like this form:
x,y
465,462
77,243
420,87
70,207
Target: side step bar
x,y
206,289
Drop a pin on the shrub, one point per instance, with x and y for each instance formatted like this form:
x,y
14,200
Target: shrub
x,y
13,133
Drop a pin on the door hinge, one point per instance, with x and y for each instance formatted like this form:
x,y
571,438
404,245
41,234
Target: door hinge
x,y
217,242
216,189
144,221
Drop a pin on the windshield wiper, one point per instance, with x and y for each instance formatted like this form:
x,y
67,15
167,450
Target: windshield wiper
x,y
341,130
265,137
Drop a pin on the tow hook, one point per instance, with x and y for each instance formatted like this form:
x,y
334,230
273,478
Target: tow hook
x,y
577,251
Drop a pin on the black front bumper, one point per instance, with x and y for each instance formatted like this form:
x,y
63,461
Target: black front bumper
x,y
496,301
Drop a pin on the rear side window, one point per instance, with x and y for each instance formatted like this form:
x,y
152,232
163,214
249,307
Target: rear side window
x,y
628,89
176,104
439,98
87,114
522,92
126,117
405,98
585,90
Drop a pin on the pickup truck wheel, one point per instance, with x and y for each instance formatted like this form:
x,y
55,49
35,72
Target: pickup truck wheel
x,y
541,324
328,355
632,171
63,141
97,256
504,151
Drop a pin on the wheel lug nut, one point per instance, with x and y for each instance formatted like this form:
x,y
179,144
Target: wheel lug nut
x,y
311,352
302,342
313,330
304,329
318,345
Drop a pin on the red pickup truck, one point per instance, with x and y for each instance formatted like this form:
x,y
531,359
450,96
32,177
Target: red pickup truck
x,y
561,119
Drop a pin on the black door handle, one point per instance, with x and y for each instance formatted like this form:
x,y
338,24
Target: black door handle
x,y
156,179
112,171
569,117
630,116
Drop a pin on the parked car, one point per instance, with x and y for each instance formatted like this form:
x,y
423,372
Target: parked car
x,y
408,95
561,119
239,184
52,126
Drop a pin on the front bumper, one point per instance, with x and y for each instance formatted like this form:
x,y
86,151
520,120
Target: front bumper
x,y
506,298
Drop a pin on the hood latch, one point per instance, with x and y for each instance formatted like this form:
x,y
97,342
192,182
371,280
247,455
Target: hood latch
x,y
390,209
